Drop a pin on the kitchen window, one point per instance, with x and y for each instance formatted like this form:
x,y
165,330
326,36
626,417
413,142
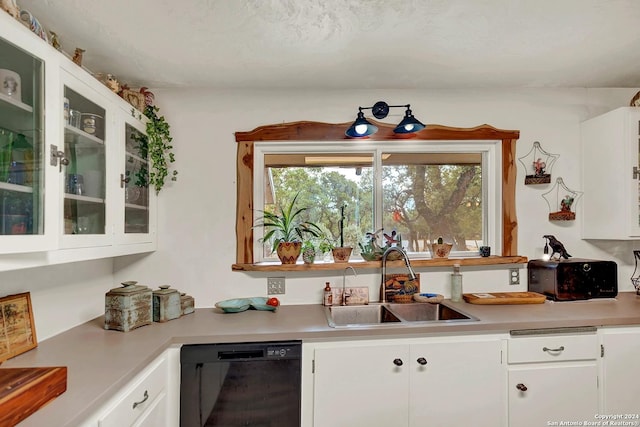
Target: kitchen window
x,y
472,202
414,192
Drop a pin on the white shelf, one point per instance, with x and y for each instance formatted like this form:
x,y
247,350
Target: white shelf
x,y
15,187
80,198
79,137
16,103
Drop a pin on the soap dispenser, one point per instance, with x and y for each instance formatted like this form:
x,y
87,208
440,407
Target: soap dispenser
x,y
456,284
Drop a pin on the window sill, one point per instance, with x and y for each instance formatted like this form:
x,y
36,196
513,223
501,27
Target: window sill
x,y
417,263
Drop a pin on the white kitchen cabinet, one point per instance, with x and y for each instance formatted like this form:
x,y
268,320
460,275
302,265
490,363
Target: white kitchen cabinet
x,y
610,150
149,399
620,370
552,378
408,382
88,210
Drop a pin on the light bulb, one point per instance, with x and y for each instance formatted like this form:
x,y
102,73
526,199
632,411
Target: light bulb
x,y
361,129
408,127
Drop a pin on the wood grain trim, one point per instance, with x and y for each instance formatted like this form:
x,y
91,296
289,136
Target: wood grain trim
x,y
317,131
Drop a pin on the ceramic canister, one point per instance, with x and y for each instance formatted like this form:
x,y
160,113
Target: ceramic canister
x,y
186,303
128,307
166,304
10,84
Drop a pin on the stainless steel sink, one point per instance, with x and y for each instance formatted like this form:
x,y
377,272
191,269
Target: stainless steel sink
x,y
359,315
393,314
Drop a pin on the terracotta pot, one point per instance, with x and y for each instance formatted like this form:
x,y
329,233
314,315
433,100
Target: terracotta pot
x,y
342,254
288,252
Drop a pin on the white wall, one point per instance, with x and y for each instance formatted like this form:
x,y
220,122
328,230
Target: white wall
x,y
197,213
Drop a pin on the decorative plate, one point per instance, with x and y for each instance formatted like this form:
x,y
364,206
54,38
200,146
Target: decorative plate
x,y
260,303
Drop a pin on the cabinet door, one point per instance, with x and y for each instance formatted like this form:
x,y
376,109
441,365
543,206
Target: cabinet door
x,y
552,392
88,135
22,155
621,371
456,383
610,149
361,386
136,218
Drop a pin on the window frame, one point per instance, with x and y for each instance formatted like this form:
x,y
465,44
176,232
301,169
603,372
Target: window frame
x,y
326,132
491,184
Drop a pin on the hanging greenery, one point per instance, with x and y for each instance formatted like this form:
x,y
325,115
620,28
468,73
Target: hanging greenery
x,y
159,149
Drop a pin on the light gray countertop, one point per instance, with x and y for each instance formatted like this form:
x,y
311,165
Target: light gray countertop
x,y
101,361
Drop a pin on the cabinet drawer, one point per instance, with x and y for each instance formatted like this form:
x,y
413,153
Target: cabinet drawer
x,y
552,348
138,396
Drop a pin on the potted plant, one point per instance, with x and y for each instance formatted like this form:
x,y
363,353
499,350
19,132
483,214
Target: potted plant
x,y
342,253
440,249
285,229
308,252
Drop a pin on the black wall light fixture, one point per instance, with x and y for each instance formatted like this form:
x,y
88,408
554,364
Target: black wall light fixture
x,y
361,127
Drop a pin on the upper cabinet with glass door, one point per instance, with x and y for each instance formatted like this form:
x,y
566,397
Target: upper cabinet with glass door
x,y
21,149
610,173
137,224
87,139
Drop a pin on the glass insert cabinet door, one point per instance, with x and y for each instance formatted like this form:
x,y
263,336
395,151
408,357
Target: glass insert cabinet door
x,y
136,182
21,142
84,180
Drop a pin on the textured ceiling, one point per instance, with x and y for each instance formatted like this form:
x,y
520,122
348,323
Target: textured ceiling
x,y
358,44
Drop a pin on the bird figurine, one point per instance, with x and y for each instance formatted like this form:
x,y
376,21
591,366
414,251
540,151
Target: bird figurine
x,y
77,56
556,247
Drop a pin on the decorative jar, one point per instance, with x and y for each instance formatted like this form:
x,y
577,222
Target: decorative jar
x,y
166,304
127,307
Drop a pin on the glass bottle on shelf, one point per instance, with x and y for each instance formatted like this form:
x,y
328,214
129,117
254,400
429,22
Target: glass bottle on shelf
x,y
84,147
136,182
21,142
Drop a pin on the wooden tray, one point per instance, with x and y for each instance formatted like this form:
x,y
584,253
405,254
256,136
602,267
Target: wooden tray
x,y
24,390
504,298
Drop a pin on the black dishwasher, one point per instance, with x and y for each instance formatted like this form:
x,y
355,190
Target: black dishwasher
x,y
253,384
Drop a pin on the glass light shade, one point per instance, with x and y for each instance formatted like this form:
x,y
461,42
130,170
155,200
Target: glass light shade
x,y
409,124
361,127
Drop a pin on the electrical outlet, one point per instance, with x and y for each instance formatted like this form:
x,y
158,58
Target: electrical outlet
x,y
275,285
514,276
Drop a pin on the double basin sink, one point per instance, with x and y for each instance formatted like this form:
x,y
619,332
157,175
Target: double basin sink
x,y
393,314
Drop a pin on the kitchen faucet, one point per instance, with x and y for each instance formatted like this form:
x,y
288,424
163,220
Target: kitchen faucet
x,y
344,276
412,274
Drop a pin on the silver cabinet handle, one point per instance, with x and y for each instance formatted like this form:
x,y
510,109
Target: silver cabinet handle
x,y
422,361
397,362
553,350
521,387
145,397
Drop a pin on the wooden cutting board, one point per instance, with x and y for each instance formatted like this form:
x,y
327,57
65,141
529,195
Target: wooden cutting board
x,y
504,298
24,390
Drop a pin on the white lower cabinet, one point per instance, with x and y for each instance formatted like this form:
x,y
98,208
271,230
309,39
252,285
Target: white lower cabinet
x,y
406,382
621,372
553,379
151,399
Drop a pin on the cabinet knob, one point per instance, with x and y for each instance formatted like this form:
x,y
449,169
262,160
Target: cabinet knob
x,y
397,362
521,387
422,361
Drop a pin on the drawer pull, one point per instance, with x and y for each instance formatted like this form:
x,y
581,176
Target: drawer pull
x,y
553,350
422,361
521,387
397,362
146,396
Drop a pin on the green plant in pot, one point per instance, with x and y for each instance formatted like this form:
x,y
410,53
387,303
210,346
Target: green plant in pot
x,y
308,252
342,253
286,230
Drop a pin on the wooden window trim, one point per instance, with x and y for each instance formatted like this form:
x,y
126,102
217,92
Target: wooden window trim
x,y
316,131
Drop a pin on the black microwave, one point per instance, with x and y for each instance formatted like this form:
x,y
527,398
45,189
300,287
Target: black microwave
x,y
573,279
